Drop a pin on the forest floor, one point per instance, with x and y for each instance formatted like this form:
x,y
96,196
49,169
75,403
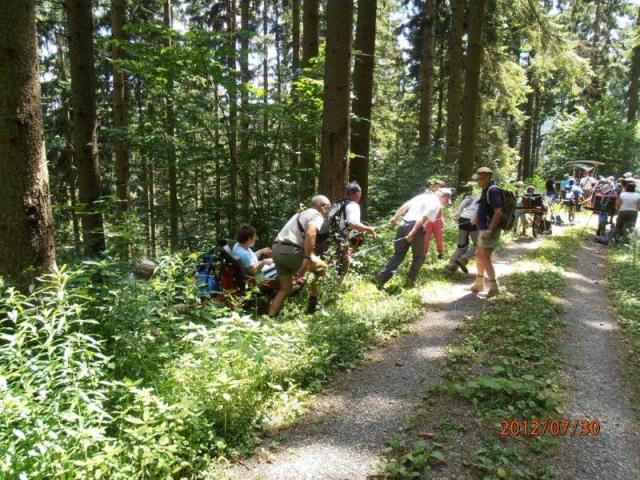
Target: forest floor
x,y
593,356
342,435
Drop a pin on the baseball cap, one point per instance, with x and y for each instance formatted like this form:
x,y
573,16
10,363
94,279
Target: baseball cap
x,y
446,192
484,170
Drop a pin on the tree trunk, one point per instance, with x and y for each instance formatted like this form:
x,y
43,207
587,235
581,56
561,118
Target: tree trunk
x,y
295,66
363,90
310,25
151,186
634,80
337,89
118,16
535,129
170,131
244,108
216,155
471,94
232,92
597,33
528,127
441,95
144,169
69,163
295,37
27,246
310,42
85,136
454,91
426,77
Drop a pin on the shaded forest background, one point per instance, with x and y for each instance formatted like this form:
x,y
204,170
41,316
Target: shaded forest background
x,y
197,115
150,128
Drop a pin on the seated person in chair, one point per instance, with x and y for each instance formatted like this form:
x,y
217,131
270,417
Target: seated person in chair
x,y
246,239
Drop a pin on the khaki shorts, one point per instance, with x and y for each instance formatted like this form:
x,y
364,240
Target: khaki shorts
x,y
492,242
288,260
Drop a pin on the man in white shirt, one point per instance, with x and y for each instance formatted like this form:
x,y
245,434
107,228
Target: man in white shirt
x,y
410,234
293,253
350,226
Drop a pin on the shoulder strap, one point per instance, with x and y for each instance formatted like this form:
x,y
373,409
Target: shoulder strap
x,y
343,208
300,224
487,194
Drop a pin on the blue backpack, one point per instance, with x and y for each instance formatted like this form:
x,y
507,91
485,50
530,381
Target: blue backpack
x,y
206,275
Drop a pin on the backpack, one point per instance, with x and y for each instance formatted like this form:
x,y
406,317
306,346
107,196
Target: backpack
x,y
508,208
331,225
206,277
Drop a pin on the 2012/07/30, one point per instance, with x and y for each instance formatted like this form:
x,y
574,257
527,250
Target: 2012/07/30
x,y
555,427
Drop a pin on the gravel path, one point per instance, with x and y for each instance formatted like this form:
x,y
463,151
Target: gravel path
x,y
341,437
591,352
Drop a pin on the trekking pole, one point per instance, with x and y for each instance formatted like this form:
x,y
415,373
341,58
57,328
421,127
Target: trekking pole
x,y
586,225
376,247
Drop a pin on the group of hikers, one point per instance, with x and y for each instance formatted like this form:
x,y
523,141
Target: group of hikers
x,y
615,201
300,246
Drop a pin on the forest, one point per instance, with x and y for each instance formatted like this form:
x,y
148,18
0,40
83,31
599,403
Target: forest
x,y
137,130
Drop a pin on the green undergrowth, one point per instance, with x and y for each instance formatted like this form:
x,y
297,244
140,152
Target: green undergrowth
x,y
505,368
106,376
623,277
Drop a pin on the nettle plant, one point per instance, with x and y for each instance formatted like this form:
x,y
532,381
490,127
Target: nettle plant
x,y
60,413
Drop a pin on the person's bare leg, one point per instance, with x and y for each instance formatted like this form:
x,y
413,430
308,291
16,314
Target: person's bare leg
x,y
491,274
478,285
286,286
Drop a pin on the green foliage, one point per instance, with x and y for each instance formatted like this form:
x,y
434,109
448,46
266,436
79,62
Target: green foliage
x,y
414,461
126,379
623,276
600,133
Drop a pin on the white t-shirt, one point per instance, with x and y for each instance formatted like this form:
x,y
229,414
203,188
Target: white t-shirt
x,y
351,216
424,205
629,201
291,233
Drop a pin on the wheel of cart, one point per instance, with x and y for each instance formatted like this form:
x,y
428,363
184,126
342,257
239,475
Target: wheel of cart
x,y
537,223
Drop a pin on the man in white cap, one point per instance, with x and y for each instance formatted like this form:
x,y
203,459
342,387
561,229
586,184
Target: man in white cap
x,y
293,253
410,234
488,220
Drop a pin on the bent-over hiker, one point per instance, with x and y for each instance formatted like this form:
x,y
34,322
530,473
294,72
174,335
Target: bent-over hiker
x,y
488,218
293,253
467,234
410,234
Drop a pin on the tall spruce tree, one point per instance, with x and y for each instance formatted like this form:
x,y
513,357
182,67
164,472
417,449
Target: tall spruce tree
x,y
334,147
85,121
363,90
26,225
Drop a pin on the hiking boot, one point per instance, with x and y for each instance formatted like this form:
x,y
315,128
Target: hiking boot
x,y
462,266
478,285
494,289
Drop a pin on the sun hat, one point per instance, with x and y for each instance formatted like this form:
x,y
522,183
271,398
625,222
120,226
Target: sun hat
x,y
605,188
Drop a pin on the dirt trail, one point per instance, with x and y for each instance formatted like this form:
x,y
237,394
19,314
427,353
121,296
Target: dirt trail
x,y
342,435
593,358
